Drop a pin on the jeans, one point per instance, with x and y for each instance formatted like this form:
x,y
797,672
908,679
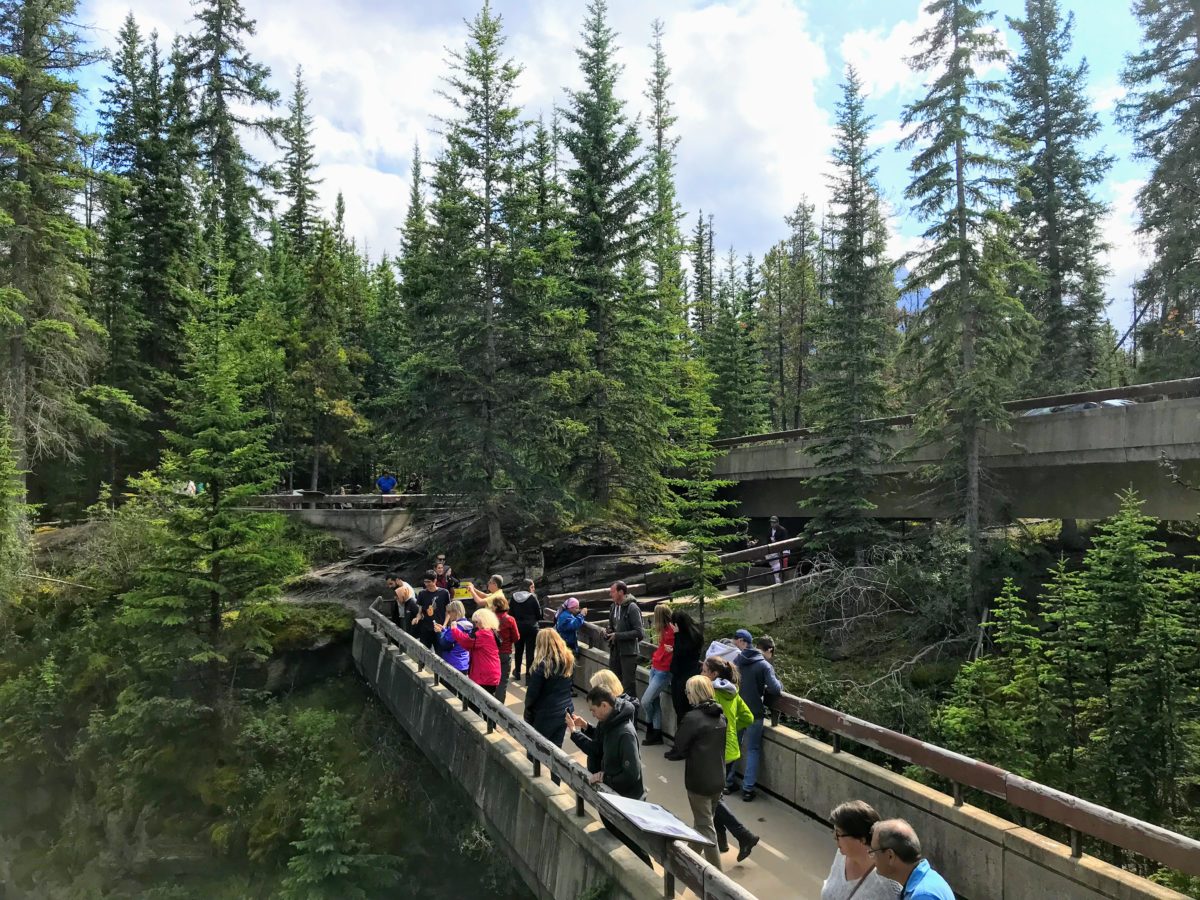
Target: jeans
x,y
752,739
703,808
651,700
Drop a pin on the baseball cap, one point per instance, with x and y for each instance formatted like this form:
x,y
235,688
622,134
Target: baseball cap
x,y
744,635
573,603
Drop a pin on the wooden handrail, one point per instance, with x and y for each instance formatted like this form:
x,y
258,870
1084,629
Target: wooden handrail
x,y
1154,842
1180,387
677,858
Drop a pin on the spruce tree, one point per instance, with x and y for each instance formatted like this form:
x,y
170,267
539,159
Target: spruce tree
x,y
228,83
14,521
731,352
1058,219
970,335
331,859
854,334
665,240
219,558
609,191
1163,79
51,342
703,301
300,219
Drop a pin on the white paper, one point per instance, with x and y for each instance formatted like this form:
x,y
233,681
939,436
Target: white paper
x,y
725,651
652,818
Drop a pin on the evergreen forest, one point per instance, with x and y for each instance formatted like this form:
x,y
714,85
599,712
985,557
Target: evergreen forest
x,y
556,342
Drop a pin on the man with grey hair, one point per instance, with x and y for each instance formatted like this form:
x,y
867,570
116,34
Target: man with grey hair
x,y
897,854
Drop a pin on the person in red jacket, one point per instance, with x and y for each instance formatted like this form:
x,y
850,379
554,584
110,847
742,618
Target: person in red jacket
x,y
483,647
509,633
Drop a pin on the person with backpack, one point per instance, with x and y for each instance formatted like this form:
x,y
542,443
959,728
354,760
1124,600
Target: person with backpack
x,y
526,608
509,633
724,678
567,623
625,634
482,644
685,660
759,683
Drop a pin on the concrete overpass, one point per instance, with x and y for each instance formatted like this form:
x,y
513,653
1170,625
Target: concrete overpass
x,y
1060,465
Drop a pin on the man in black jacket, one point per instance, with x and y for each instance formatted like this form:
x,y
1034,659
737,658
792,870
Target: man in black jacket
x,y
526,608
612,751
778,561
625,633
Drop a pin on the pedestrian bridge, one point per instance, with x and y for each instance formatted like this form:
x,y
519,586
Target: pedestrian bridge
x,y
535,800
1068,464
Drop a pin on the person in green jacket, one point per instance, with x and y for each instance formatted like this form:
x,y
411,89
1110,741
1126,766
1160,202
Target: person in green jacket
x,y
737,716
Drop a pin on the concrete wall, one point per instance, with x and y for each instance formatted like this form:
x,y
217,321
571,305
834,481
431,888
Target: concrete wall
x,y
983,856
1061,466
560,856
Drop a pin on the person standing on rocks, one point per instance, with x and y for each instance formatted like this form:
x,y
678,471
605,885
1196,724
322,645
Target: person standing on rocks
x,y
625,635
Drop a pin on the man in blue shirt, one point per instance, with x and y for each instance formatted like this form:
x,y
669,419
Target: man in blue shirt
x,y
386,483
897,854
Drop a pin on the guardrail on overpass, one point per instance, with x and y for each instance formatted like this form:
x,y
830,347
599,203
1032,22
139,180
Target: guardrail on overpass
x,y
1182,387
1077,816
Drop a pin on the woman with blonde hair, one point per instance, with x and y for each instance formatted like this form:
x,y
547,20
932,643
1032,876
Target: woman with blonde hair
x,y
548,686
660,674
700,742
724,678
608,679
482,644
445,644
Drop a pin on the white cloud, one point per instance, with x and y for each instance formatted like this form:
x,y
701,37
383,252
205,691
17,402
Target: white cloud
x,y
745,76
1105,96
1127,255
887,134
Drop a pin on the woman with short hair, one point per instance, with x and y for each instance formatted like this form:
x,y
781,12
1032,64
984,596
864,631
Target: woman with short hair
x,y
853,874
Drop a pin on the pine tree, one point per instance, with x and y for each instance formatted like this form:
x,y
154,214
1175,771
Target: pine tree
x,y
122,118
854,335
300,220
228,83
331,860
731,352
609,191
14,520
219,558
1163,79
969,337
1057,217
51,343
703,302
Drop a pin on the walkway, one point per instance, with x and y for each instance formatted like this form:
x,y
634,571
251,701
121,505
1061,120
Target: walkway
x,y
794,854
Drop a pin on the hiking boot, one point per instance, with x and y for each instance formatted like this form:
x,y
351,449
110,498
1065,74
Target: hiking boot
x,y
746,846
749,795
723,842
729,789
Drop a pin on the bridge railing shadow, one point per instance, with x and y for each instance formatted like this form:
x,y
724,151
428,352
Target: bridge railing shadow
x,y
679,862
1080,817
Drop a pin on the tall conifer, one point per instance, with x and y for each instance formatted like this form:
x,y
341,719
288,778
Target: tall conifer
x,y
853,337
301,218
970,334
1057,217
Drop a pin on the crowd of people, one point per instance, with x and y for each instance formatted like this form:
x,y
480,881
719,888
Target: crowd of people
x,y
720,702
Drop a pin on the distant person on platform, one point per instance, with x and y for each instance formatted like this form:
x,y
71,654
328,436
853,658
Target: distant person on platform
x,y
897,853
778,561
758,683
625,635
612,752
526,608
386,483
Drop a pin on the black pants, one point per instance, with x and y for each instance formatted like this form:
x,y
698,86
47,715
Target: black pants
x,y
625,668
725,820
523,649
505,666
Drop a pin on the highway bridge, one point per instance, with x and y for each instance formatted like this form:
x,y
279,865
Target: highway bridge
x,y
541,812
1065,464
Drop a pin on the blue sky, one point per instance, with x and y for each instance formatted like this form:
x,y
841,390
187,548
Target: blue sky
x,y
756,82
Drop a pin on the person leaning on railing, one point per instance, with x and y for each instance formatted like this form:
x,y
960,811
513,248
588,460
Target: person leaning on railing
x,y
759,683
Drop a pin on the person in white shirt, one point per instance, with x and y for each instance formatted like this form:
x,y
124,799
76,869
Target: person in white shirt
x,y
853,875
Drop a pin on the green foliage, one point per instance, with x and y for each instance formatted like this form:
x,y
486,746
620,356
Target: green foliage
x,y
1058,218
1162,78
300,220
969,337
731,352
854,336
14,521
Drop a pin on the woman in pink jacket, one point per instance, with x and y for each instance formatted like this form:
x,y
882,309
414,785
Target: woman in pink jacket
x,y
483,645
